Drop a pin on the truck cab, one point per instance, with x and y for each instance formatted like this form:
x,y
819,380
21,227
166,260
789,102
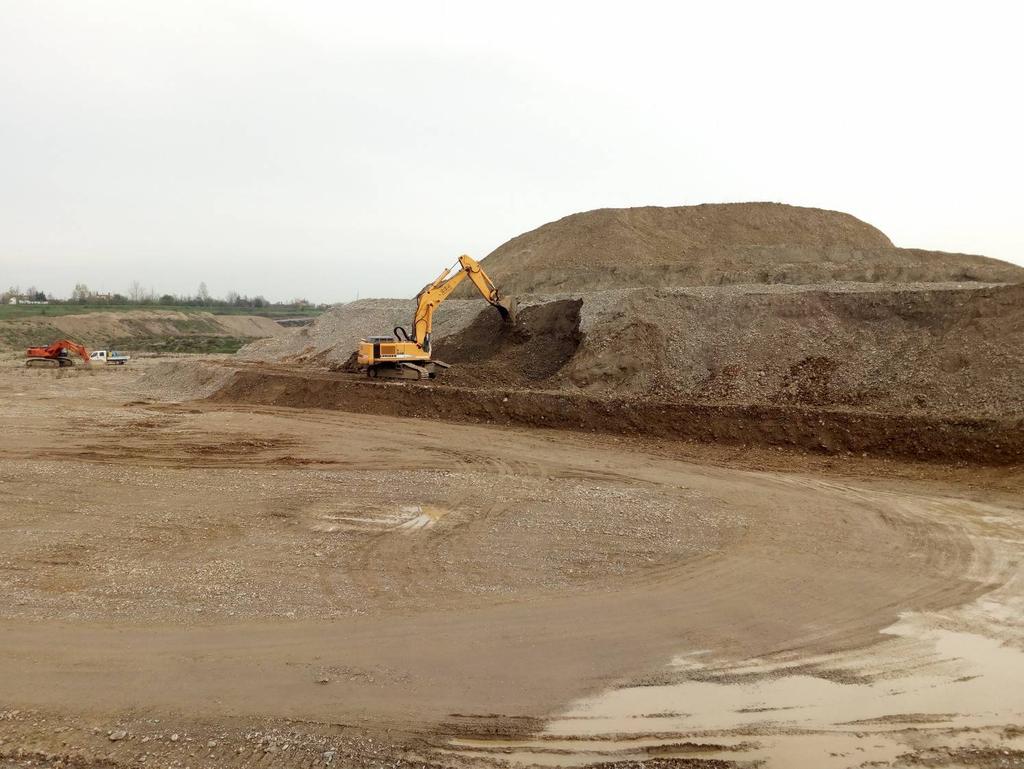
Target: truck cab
x,y
109,356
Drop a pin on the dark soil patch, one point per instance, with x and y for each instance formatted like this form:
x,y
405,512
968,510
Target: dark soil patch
x,y
536,347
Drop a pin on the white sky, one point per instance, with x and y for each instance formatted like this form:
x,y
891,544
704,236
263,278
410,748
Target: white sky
x,y
321,149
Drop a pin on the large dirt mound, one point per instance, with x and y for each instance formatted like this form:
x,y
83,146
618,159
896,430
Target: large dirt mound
x,y
749,311
924,348
930,348
719,244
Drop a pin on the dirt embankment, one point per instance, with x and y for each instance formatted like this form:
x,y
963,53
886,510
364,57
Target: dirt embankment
x,y
488,351
915,371
141,330
952,439
720,244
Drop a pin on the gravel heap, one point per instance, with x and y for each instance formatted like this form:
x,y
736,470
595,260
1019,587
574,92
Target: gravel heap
x,y
935,349
335,335
754,303
181,379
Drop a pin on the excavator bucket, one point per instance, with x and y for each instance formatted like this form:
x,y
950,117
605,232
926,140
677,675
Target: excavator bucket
x,y
507,308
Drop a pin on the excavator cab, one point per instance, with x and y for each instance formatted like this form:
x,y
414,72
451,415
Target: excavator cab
x,y
406,355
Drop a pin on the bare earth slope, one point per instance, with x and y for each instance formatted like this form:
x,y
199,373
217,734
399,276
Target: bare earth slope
x,y
941,349
103,329
720,244
930,348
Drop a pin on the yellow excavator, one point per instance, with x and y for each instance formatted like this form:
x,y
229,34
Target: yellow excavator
x,y
405,356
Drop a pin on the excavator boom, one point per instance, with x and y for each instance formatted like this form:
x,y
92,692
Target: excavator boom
x,y
431,296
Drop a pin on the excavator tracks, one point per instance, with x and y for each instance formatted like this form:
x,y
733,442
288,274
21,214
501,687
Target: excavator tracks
x,y
424,370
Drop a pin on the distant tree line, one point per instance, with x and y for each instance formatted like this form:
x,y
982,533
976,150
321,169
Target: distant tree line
x,y
30,294
142,296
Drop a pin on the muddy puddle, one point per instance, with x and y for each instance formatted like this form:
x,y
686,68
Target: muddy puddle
x,y
947,681
966,684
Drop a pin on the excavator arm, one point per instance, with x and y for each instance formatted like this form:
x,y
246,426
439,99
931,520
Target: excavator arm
x,y
408,356
77,348
428,300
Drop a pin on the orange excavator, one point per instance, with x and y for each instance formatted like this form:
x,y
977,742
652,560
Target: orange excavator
x,y
56,355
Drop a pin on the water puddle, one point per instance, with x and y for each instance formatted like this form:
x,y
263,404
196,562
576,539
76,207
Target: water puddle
x,y
332,523
923,678
820,751
965,678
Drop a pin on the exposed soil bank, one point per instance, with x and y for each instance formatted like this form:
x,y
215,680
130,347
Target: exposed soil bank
x,y
948,350
975,440
158,330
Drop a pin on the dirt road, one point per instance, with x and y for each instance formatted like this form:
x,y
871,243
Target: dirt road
x,y
212,585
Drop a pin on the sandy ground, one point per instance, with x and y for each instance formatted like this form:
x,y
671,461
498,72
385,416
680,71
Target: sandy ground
x,y
203,584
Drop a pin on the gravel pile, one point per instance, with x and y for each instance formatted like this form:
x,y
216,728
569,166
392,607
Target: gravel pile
x,y
181,379
925,349
335,335
754,303
930,348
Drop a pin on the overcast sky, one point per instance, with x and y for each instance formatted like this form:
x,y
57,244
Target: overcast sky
x,y
325,149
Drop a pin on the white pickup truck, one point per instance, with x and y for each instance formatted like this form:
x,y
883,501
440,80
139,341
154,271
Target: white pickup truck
x,y
109,356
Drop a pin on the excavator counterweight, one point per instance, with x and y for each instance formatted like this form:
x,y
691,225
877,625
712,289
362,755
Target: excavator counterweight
x,y
408,356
